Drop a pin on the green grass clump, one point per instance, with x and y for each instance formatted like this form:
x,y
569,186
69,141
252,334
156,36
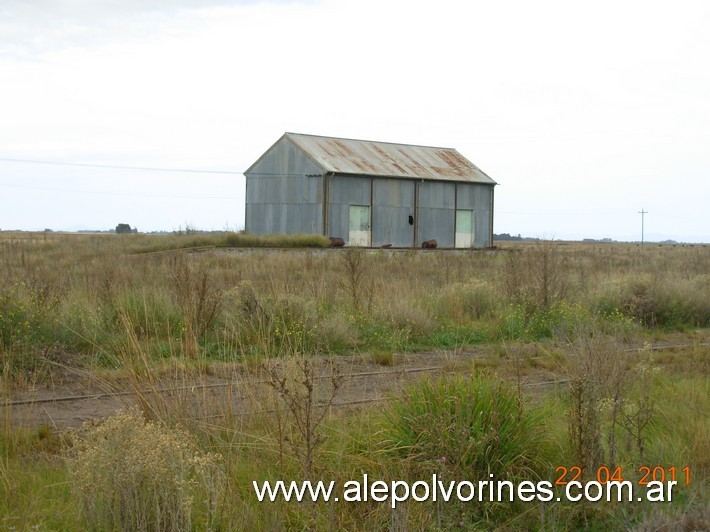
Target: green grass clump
x,y
474,424
458,336
467,428
383,357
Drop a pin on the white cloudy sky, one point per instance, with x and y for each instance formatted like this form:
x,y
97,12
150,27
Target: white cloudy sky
x,y
584,112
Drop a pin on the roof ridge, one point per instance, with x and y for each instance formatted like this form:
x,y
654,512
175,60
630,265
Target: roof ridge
x,y
371,141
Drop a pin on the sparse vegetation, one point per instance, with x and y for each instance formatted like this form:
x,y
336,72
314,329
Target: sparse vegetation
x,y
132,474
144,312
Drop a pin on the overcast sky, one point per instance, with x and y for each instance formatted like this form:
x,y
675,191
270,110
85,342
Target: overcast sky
x,y
583,112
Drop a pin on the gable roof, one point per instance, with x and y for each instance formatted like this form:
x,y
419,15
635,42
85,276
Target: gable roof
x,y
368,158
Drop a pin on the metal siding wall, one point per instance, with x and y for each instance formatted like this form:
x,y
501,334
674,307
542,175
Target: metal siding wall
x,y
343,192
483,215
466,196
482,221
280,196
350,190
436,216
478,198
393,203
485,236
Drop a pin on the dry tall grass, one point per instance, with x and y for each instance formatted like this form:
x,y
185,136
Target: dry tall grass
x,y
77,291
158,315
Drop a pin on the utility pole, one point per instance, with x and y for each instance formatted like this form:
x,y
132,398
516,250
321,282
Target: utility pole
x,y
642,213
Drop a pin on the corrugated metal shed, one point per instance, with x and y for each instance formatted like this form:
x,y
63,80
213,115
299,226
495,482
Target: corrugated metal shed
x,y
361,157
369,193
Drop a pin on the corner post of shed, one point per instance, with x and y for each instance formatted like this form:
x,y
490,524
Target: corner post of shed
x,y
490,222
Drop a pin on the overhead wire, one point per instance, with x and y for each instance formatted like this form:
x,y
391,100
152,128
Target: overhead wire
x,y
139,168
116,167
120,167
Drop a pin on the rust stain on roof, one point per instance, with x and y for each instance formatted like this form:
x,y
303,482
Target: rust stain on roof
x,y
368,158
347,151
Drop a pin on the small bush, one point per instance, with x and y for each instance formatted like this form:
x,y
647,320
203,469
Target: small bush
x,y
131,474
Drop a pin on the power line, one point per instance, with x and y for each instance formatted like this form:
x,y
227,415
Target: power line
x,y
124,167
118,193
139,168
119,167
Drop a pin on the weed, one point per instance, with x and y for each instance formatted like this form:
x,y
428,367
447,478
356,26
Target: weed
x,y
355,270
296,386
198,300
598,383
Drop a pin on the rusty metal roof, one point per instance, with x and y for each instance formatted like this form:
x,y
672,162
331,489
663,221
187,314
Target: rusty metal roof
x,y
363,157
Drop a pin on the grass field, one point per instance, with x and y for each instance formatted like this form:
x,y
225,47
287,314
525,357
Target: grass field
x,y
623,331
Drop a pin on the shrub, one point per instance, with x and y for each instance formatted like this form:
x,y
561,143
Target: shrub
x,y
354,276
294,324
131,474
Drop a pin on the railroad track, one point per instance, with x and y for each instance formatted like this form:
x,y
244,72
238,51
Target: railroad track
x,y
169,389
236,383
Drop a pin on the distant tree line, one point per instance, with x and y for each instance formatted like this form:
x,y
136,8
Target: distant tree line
x,y
507,236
